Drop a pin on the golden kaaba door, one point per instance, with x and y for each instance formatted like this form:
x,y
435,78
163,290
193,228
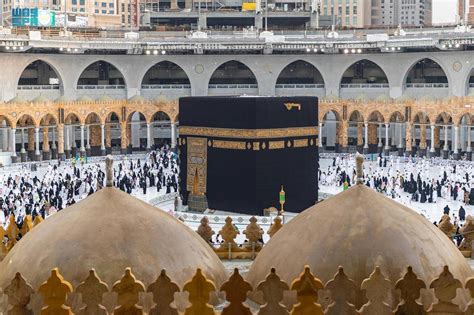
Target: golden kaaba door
x,y
197,164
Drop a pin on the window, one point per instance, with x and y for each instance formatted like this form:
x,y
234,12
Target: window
x,y
82,10
111,5
354,20
104,11
104,4
354,10
96,11
348,11
74,2
111,11
82,2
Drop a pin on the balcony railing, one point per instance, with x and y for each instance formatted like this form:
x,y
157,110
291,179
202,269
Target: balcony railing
x,y
365,86
300,86
233,86
165,86
427,85
38,87
101,87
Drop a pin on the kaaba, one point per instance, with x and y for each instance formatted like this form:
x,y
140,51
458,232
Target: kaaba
x,y
240,151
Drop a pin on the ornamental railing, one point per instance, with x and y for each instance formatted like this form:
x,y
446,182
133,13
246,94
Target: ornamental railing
x,y
165,86
38,87
299,86
341,295
365,86
427,85
232,86
101,87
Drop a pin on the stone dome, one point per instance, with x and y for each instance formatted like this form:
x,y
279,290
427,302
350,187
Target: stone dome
x,y
84,98
105,98
16,100
359,229
61,99
110,231
137,99
40,99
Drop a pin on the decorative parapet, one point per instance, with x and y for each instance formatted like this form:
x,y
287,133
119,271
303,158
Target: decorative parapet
x,y
380,293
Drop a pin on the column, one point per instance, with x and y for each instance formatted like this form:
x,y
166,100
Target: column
x,y
366,136
387,147
5,138
400,136
468,147
46,151
37,143
82,148
123,137
13,142
68,147
22,140
60,142
432,148
423,137
148,136
456,142
320,135
445,147
53,137
88,137
173,135
102,139
408,136
343,135
31,143
380,136
360,140
468,130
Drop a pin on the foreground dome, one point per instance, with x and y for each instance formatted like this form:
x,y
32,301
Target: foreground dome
x,y
110,231
359,229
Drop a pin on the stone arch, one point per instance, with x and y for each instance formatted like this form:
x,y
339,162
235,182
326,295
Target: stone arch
x,y
112,116
300,72
356,116
466,118
73,118
333,112
375,116
101,79
166,67
48,120
396,117
93,118
470,79
136,130
421,69
38,66
331,119
160,116
421,117
26,119
364,71
160,123
241,74
444,118
7,120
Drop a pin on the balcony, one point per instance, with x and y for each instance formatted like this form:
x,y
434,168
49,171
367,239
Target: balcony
x,y
38,87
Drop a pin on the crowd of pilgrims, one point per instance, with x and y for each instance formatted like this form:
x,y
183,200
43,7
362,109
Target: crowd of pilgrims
x,y
31,193
411,180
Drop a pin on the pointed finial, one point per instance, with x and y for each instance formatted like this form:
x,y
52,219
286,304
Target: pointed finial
x,y
360,168
109,171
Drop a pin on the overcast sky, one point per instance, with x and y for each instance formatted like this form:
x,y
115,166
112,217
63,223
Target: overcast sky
x,y
444,11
